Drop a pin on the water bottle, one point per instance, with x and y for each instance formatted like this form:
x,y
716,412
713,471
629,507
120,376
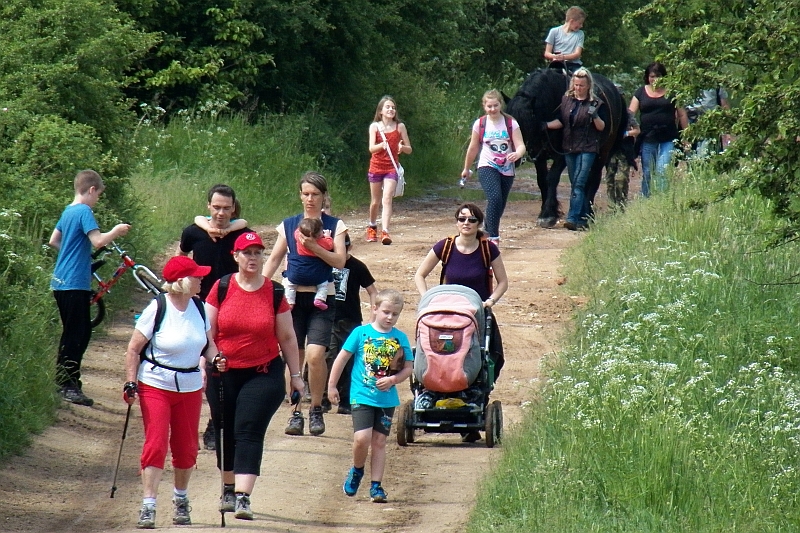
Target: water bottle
x,y
463,180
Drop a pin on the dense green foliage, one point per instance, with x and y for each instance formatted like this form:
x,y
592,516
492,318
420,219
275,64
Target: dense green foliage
x,y
675,406
290,53
62,69
750,48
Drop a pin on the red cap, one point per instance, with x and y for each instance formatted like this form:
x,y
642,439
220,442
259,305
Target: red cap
x,y
244,240
181,266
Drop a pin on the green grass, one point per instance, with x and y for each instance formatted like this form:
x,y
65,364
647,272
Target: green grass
x,y
676,406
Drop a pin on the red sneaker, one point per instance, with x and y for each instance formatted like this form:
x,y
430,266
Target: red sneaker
x,y
372,234
385,239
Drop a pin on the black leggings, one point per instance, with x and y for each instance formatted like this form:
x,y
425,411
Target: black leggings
x,y
251,396
496,347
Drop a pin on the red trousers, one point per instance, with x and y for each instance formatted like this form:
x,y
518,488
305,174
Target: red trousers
x,y
170,419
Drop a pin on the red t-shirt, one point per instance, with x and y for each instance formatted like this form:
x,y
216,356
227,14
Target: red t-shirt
x,y
246,324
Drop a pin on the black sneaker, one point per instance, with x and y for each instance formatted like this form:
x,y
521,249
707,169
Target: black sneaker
x,y
344,409
227,502
76,396
180,516
209,441
295,425
326,405
316,425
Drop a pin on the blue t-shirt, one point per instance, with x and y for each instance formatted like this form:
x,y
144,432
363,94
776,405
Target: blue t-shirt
x,y
73,270
373,351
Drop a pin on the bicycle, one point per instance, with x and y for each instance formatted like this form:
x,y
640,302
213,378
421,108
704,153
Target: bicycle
x,y
143,276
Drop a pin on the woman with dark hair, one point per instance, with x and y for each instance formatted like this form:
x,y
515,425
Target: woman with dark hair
x,y
659,118
312,325
466,266
583,117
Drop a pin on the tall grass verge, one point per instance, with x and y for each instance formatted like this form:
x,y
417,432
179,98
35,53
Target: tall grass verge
x,y
676,406
27,386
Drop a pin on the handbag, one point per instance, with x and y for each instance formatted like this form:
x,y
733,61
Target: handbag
x,y
401,172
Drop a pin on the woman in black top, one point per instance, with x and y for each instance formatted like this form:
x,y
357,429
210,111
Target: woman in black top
x,y
658,119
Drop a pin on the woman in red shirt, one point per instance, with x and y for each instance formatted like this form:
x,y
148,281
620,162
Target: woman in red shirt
x,y
251,335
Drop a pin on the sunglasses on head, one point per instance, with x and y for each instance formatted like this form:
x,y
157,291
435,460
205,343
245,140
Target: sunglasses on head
x,y
471,220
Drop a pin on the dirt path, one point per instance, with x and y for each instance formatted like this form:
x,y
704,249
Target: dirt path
x,y
63,481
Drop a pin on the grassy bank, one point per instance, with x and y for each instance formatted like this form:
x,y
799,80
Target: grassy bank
x,y
264,159
676,406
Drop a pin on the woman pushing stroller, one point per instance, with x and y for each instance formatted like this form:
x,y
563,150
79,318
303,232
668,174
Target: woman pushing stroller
x,y
471,260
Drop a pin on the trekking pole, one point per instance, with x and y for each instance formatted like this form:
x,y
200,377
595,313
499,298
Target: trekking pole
x,y
221,445
119,456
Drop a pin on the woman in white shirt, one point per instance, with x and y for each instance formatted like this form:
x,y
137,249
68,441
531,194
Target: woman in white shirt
x,y
163,371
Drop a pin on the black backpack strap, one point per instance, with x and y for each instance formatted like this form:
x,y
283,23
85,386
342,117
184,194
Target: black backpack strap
x,y
201,308
449,242
222,289
161,310
277,295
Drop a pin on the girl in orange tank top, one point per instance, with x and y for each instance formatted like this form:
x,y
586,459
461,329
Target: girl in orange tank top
x,y
382,175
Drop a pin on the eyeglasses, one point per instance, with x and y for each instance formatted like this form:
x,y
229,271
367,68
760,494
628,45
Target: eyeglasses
x,y
471,220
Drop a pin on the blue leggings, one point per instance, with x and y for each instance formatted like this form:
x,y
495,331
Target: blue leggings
x,y
496,187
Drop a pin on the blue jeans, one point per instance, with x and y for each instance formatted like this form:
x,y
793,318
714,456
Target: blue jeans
x,y
655,158
579,165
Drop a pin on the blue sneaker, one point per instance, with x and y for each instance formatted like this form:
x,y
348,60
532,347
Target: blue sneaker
x,y
352,481
377,494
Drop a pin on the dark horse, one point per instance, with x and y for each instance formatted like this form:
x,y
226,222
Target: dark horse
x,y
538,100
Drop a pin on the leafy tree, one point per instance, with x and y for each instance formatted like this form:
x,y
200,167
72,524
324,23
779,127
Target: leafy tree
x,y
750,48
62,66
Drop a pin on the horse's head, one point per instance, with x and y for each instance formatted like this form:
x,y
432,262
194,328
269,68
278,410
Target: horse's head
x,y
537,100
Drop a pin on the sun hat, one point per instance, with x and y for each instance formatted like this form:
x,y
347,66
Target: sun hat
x,y
181,266
245,240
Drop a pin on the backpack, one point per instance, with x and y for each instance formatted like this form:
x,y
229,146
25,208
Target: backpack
x,y
161,310
486,253
509,129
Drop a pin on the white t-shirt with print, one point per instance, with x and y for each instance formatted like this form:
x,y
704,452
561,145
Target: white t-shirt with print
x,y
496,145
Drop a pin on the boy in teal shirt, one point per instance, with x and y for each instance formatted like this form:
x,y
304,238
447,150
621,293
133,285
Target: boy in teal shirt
x,y
373,392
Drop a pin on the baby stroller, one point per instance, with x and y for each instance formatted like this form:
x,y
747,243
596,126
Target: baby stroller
x,y
453,373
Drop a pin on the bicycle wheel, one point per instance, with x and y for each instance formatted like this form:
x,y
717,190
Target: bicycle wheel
x,y
97,311
145,277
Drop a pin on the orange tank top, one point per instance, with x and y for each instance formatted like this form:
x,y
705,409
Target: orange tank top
x,y
380,163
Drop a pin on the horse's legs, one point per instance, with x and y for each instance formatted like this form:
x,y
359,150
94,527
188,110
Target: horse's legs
x,y
595,177
540,163
551,207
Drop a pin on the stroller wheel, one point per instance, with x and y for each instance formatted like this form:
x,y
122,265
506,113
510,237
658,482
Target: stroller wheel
x,y
405,426
494,423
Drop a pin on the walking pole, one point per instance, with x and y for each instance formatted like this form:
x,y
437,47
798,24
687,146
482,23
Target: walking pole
x,y
119,456
221,443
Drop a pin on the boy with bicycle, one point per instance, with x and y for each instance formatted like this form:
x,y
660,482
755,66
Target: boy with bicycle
x,y
74,236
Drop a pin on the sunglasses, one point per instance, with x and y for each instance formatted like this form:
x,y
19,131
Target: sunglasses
x,y
471,220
